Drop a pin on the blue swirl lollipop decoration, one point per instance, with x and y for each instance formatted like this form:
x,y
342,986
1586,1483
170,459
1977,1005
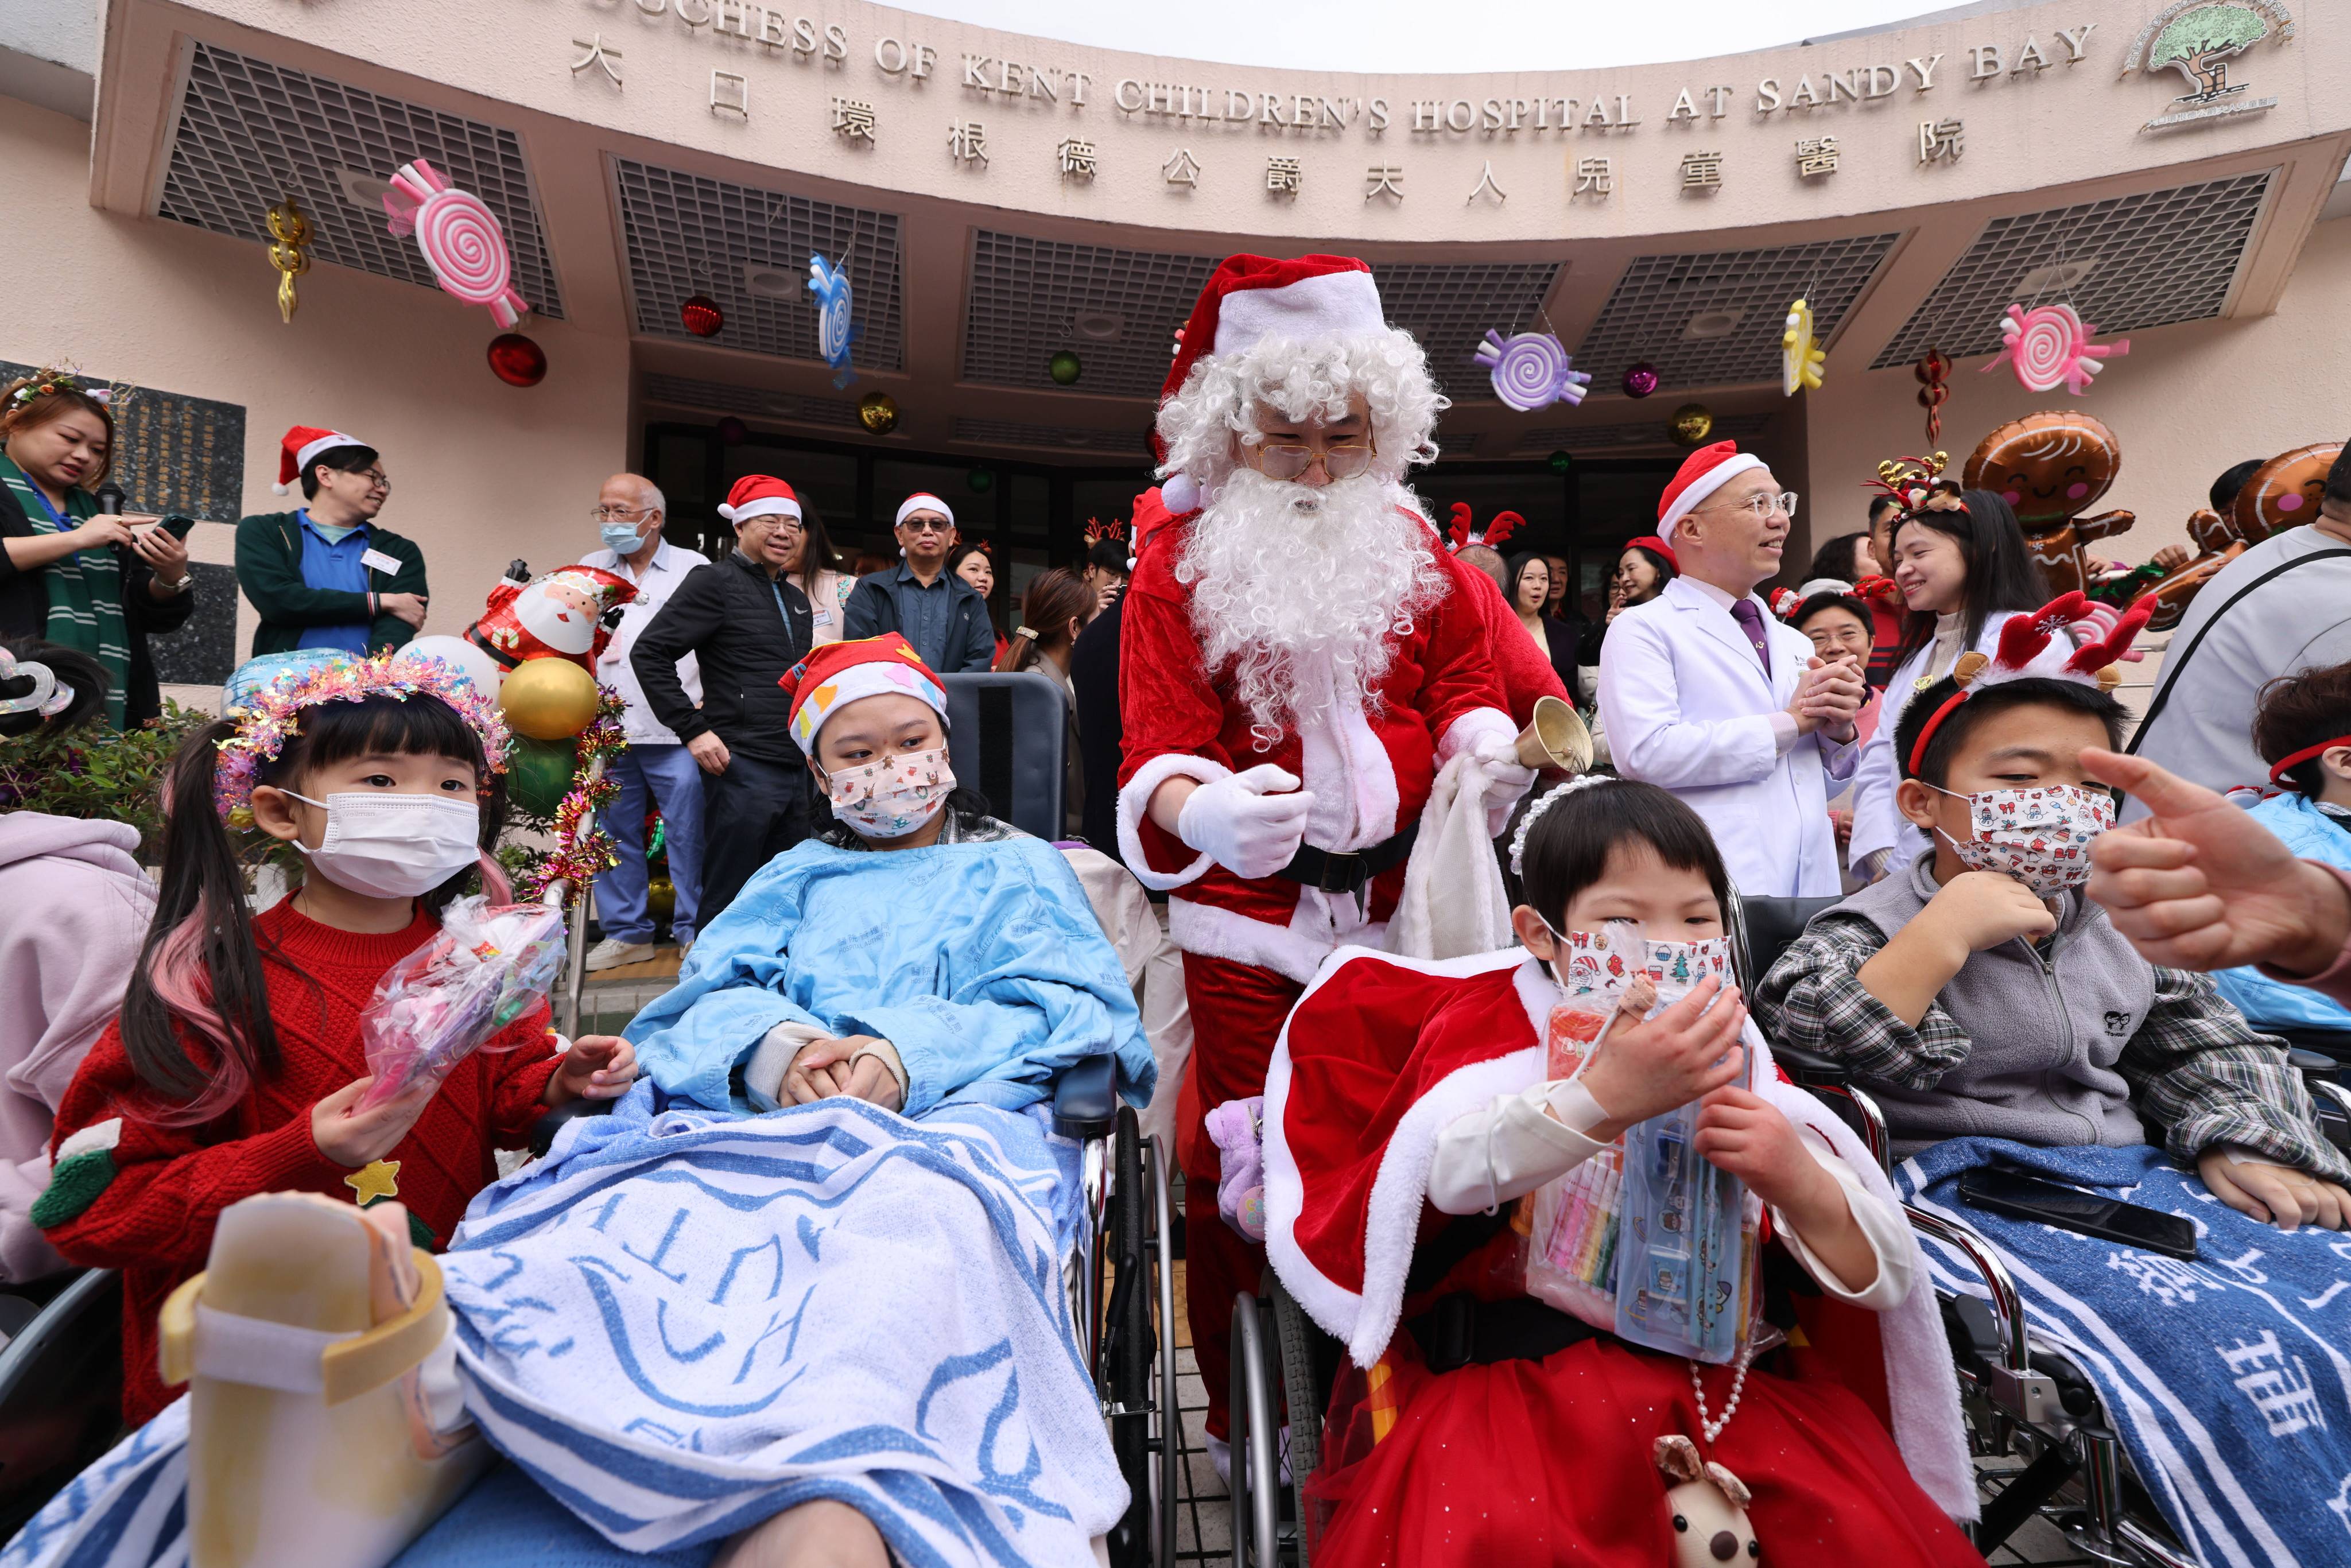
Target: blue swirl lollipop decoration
x,y
834,330
1531,370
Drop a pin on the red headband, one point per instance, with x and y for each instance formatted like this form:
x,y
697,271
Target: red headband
x,y
2295,760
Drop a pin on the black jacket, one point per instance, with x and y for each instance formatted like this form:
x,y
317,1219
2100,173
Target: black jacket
x,y
1093,675
747,629
24,612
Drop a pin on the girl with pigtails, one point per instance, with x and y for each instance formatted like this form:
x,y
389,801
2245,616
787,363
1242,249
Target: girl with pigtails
x,y
236,1066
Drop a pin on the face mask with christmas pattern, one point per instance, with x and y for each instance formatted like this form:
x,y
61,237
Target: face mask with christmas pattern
x,y
2040,836
890,798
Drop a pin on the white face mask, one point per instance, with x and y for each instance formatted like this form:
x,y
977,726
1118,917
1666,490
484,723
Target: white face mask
x,y
891,796
2041,836
394,846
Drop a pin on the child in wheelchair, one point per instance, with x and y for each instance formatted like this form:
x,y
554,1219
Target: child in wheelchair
x,y
1410,1104
2000,1020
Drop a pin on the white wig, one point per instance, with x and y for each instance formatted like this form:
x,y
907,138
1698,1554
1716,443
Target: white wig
x,y
1319,377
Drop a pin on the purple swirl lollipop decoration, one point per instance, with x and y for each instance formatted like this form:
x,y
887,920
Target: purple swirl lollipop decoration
x,y
1530,371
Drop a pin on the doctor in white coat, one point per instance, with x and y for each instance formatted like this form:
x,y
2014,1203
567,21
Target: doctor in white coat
x,y
1705,693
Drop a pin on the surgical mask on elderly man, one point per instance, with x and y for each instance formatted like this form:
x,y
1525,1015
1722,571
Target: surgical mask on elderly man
x,y
620,538
893,796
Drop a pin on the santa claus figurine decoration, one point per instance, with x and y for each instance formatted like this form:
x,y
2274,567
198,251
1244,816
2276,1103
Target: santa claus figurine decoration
x,y
1300,655
565,615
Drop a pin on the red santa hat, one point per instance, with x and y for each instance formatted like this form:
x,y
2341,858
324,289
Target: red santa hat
x,y
1703,472
839,673
302,446
1249,298
923,501
758,495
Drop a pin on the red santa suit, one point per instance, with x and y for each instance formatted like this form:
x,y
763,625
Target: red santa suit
x,y
1251,943
1548,1461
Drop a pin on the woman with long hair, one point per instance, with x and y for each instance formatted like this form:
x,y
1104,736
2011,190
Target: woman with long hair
x,y
1529,596
969,561
814,568
1052,612
96,583
1961,563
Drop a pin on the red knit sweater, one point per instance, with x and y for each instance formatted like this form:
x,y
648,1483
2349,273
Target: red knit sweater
x,y
154,1219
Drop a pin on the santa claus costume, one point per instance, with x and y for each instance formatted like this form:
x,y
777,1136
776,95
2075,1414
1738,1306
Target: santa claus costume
x,y
1308,654
1473,1424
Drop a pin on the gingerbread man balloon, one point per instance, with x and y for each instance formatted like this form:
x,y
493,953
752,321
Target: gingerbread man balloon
x,y
2283,491
2052,467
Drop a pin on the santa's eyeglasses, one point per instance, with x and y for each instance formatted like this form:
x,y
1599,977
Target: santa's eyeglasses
x,y
1339,460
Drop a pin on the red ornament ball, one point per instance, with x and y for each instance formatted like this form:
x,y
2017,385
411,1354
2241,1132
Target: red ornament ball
x,y
701,316
1640,380
733,430
517,360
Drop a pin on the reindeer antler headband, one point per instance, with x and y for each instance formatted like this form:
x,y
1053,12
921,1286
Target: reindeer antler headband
x,y
1462,534
1916,484
1098,531
2022,641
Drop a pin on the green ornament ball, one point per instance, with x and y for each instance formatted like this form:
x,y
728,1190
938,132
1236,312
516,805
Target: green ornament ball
x,y
539,773
1065,368
980,481
1560,462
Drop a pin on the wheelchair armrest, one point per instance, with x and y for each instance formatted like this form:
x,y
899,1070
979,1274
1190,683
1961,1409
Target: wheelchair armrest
x,y
543,1131
2310,1063
1085,1097
1809,1068
2333,1103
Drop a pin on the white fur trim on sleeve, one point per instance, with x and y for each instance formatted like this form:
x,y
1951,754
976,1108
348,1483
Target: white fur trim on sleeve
x,y
1473,729
1134,800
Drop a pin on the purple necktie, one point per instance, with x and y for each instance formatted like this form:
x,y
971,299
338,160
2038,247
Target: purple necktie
x,y
1750,621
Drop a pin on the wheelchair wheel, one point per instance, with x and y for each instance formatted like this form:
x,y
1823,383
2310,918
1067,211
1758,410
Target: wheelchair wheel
x,y
1137,1364
1293,1338
1256,1439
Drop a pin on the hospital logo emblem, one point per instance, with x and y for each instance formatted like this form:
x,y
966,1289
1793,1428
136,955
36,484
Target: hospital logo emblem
x,y
2197,38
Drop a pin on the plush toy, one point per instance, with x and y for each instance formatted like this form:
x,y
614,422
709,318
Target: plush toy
x,y
1237,1129
2052,467
1708,1506
566,614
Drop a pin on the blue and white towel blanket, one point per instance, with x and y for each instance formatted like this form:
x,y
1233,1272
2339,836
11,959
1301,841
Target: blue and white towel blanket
x,y
680,1323
2229,1377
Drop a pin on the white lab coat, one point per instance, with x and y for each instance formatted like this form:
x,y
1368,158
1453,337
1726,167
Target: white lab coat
x,y
1688,708
1876,825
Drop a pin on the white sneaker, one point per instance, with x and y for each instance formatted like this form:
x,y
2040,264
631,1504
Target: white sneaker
x,y
611,952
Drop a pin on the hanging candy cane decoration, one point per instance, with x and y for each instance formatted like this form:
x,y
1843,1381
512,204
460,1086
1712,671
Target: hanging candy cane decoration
x,y
460,237
2050,345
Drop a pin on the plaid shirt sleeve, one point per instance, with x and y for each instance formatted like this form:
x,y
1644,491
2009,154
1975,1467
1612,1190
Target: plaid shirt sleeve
x,y
1814,1000
2198,1068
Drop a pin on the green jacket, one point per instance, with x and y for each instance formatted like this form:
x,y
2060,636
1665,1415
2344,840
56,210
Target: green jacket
x,y
269,570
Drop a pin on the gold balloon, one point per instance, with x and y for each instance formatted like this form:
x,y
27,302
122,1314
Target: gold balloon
x,y
1692,423
878,412
549,699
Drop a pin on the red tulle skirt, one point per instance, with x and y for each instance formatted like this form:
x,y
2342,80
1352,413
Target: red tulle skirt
x,y
1529,1463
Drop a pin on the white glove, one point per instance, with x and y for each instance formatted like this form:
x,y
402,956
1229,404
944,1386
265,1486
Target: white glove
x,y
1507,780
1250,823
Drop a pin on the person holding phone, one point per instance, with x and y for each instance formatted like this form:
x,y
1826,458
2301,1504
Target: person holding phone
x,y
94,581
326,575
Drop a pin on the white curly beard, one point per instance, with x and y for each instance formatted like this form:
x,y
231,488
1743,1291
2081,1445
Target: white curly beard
x,y
1285,575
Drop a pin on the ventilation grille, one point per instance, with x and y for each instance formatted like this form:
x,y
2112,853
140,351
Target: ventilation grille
x,y
1653,303
1025,295
690,235
1449,305
1052,437
250,134
1588,438
1030,299
2125,263
683,392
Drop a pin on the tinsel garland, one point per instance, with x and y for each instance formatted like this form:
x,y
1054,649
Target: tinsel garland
x,y
584,850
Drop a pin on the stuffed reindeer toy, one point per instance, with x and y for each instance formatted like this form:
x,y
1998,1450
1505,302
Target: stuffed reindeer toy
x,y
1708,1506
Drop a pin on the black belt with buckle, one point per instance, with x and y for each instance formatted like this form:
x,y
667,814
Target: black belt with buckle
x,y
1348,871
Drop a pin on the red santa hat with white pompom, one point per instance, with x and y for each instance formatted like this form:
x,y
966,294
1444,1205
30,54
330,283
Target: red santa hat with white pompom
x,y
1703,472
1249,298
758,495
303,445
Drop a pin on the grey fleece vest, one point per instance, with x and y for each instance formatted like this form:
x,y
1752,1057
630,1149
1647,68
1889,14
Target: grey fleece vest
x,y
2047,1026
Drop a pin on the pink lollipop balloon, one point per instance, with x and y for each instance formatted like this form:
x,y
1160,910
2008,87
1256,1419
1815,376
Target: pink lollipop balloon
x,y
460,237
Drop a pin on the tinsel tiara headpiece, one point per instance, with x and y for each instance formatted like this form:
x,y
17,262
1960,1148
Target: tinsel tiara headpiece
x,y
272,715
1916,484
2022,641
1535,811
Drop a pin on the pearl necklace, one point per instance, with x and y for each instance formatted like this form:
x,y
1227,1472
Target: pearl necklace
x,y
1713,1428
